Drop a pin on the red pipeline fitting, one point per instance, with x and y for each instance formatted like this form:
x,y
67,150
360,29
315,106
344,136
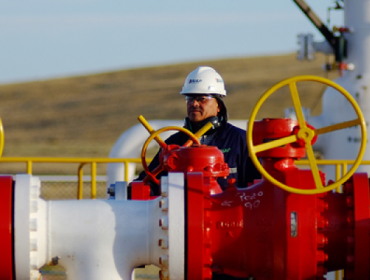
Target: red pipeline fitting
x,y
271,129
6,228
198,158
263,232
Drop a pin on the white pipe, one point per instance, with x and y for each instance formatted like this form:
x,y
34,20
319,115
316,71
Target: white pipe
x,y
99,239
345,144
105,239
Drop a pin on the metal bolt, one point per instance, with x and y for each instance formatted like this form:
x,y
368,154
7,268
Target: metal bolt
x,y
163,243
164,190
163,260
163,204
163,222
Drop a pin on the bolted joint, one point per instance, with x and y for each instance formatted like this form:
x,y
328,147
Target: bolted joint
x,y
163,223
163,204
163,243
163,260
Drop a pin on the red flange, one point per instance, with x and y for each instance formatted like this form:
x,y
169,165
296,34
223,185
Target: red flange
x,y
199,258
362,226
6,227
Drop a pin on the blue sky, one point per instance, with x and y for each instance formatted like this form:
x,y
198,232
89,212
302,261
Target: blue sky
x,y
42,39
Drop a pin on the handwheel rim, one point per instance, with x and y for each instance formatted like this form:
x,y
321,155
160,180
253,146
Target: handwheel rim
x,y
289,81
152,136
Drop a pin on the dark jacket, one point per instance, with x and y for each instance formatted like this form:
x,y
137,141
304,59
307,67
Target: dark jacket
x,y
232,142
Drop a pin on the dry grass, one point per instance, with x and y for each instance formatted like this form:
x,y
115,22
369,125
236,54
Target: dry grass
x,y
84,116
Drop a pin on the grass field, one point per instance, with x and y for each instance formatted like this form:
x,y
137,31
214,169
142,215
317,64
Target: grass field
x,y
83,116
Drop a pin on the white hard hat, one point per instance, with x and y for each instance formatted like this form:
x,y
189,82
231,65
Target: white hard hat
x,y
204,80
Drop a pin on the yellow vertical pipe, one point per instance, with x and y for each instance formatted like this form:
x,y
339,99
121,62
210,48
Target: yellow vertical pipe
x,y
344,169
80,182
126,170
29,167
337,175
93,180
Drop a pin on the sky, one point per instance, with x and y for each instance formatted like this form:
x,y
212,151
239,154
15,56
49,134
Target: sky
x,y
43,39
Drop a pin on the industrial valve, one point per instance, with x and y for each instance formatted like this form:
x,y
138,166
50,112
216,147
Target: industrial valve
x,y
188,158
264,232
299,230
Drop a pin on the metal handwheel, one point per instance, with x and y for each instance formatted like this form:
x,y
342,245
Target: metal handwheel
x,y
306,134
194,137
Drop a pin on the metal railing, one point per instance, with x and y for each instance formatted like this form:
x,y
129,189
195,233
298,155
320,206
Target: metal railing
x,y
82,161
341,166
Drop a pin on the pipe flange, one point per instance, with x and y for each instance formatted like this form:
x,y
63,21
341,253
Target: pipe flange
x,y
30,222
199,259
321,238
172,222
348,191
6,228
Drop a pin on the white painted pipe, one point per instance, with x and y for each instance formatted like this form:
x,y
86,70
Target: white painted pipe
x,y
99,239
345,144
104,239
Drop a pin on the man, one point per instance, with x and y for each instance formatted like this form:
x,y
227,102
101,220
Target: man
x,y
204,90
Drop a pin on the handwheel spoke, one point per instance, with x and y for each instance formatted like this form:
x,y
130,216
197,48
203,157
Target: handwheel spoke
x,y
199,133
338,126
306,135
313,165
157,170
147,126
297,104
275,143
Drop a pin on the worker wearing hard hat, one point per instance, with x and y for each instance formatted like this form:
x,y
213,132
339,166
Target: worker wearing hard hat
x,y
204,90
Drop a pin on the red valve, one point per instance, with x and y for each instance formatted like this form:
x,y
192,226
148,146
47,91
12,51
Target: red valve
x,y
264,232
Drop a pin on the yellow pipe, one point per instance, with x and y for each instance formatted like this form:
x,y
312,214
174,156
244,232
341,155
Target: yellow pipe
x,y
344,168
93,180
337,176
68,160
126,170
80,181
29,167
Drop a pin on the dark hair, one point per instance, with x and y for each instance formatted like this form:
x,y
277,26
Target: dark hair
x,y
223,116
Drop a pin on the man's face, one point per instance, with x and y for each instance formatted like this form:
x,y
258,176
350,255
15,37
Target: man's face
x,y
200,107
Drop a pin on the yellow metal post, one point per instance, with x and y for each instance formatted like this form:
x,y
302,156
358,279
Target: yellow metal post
x,y
80,187
93,180
337,175
29,167
126,170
